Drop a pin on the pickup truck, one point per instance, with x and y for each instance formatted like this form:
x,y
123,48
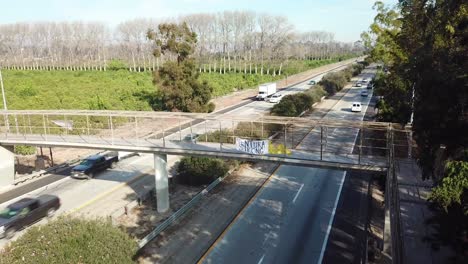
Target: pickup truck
x,y
25,212
88,168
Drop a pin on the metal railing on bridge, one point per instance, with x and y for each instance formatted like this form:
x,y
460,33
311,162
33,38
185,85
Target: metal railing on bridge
x,y
302,141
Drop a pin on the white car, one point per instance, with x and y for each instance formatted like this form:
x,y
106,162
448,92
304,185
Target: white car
x,y
358,84
357,107
275,98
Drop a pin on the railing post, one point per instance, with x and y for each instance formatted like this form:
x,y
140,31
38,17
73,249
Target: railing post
x,y
191,134
164,135
360,145
136,128
29,123
112,129
87,124
321,142
16,124
44,124
251,129
233,129
262,128
66,124
285,141
220,137
180,130
206,133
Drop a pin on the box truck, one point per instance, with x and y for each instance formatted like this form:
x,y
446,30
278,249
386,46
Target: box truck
x,y
265,90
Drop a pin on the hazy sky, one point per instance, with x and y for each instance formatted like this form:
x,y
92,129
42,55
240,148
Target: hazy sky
x,y
346,18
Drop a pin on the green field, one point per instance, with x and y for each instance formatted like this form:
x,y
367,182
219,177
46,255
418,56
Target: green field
x,y
122,90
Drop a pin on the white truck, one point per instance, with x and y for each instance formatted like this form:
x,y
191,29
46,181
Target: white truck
x,y
265,90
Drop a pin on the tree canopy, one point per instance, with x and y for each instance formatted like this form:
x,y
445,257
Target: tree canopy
x,y
424,45
177,80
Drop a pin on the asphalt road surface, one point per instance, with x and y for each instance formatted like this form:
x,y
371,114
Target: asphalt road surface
x,y
290,219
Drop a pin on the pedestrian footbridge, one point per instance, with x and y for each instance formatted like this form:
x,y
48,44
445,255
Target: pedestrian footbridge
x,y
334,144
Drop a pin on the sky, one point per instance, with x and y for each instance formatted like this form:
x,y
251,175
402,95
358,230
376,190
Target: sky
x,y
346,18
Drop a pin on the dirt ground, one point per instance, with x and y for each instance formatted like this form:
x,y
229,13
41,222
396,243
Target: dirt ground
x,y
142,219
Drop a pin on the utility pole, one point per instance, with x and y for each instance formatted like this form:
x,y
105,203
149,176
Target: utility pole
x,y
4,101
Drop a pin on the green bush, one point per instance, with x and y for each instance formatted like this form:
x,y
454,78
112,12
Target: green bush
x,y
211,107
71,240
333,82
25,150
197,171
357,69
116,64
453,189
293,105
316,92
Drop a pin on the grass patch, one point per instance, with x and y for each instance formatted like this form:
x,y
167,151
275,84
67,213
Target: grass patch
x,y
117,89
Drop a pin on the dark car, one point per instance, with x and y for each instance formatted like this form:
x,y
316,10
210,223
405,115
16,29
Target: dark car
x,y
192,138
93,164
25,212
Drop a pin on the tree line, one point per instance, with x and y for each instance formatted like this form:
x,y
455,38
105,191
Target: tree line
x,y
238,41
423,44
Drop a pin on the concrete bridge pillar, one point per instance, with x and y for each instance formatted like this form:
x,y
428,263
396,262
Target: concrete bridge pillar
x,y
7,166
161,182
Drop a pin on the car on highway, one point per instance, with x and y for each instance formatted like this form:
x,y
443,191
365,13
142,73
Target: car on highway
x,y
192,138
90,166
369,86
25,212
275,98
312,82
364,93
357,107
358,84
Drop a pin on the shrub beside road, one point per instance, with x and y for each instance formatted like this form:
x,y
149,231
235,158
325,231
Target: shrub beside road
x,y
71,240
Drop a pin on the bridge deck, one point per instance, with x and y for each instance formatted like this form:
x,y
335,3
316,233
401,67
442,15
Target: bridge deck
x,y
300,157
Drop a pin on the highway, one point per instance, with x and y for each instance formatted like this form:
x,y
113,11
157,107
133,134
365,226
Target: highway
x,y
77,194
290,218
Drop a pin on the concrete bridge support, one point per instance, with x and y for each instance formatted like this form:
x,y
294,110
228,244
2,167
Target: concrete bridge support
x,y
161,182
7,166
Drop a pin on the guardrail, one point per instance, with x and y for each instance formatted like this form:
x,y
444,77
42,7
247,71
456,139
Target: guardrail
x,y
179,213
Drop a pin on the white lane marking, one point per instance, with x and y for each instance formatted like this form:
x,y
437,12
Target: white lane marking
x,y
261,260
298,192
330,222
